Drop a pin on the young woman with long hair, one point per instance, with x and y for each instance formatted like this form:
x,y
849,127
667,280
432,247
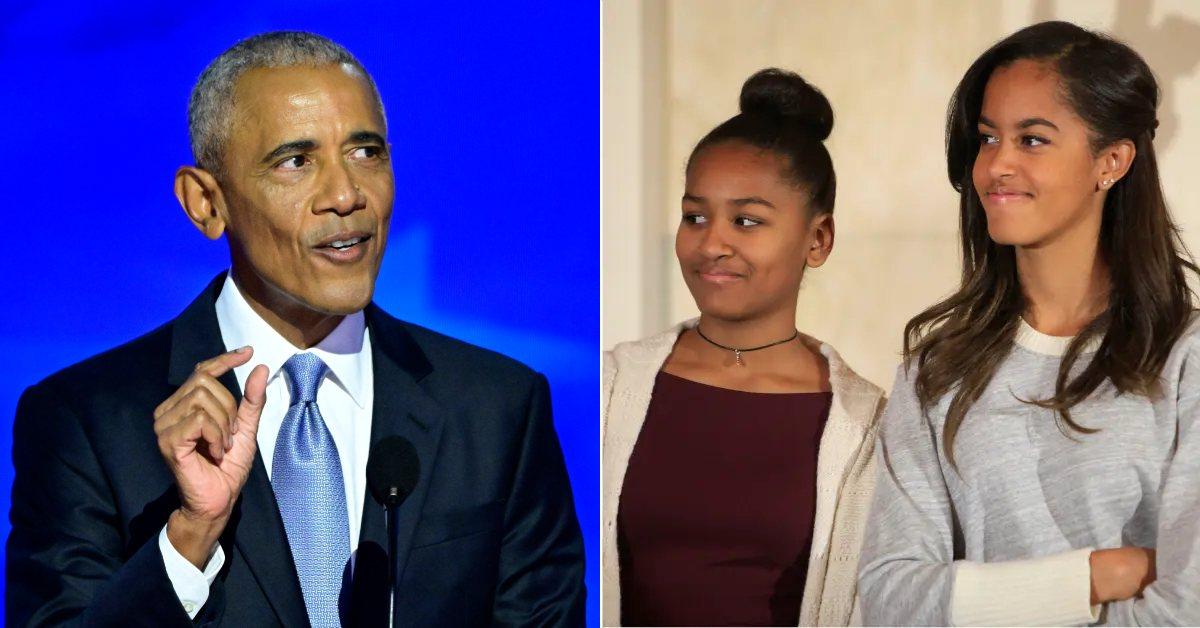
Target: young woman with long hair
x,y
1040,457
736,450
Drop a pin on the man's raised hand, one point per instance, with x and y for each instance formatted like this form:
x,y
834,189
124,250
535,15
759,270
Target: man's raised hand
x,y
208,442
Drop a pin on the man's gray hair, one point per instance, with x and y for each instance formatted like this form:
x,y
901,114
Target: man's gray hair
x,y
211,103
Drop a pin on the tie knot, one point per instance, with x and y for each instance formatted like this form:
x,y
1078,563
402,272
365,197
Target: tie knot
x,y
305,370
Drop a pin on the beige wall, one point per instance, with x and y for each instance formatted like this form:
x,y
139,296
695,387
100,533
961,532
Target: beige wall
x,y
888,67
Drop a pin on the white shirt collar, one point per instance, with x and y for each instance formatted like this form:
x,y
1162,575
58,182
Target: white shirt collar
x,y
1045,344
342,350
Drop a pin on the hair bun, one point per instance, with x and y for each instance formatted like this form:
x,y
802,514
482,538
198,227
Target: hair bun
x,y
785,95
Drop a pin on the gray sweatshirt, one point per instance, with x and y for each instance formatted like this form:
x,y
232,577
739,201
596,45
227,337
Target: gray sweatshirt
x,y
1005,538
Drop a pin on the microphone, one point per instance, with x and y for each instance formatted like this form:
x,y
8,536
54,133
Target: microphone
x,y
393,469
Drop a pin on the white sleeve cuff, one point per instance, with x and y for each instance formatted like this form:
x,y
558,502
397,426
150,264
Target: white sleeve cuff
x,y
191,585
1053,590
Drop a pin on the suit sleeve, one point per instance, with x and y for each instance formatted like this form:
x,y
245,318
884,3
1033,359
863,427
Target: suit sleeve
x,y
541,558
67,560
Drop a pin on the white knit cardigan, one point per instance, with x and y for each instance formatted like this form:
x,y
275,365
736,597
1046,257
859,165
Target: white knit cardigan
x,y
845,472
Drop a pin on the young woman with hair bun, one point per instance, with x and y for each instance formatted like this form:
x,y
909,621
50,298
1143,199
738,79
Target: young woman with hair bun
x,y
737,450
1040,455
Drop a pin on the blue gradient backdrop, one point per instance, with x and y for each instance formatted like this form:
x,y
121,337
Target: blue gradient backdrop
x,y
493,113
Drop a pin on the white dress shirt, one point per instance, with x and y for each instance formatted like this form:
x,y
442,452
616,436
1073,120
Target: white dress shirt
x,y
345,397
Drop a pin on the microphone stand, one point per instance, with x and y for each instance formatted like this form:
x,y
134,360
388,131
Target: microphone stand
x,y
393,514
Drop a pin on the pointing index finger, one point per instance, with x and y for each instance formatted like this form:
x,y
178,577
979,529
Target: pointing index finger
x,y
218,366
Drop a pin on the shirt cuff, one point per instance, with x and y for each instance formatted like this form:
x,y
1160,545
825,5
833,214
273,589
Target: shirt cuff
x,y
1053,590
191,585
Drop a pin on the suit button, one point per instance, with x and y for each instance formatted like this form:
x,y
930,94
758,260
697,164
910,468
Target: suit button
x,y
189,607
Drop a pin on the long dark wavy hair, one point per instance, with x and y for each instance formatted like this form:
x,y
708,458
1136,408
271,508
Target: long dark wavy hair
x,y
959,343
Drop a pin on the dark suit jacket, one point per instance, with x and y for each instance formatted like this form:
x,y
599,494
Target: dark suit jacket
x,y
489,535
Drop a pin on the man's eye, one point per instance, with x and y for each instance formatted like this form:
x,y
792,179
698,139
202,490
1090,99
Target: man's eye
x,y
694,219
365,152
746,221
294,162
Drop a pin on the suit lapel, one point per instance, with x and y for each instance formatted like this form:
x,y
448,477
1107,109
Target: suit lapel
x,y
402,408
255,528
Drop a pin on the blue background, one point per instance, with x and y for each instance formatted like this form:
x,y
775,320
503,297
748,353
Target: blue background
x,y
493,113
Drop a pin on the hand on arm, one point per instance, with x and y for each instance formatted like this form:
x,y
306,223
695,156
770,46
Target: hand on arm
x,y
1121,573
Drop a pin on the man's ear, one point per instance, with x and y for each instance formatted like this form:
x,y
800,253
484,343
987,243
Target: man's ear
x,y
200,196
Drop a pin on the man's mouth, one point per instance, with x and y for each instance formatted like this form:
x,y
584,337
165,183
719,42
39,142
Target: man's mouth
x,y
343,240
345,246
342,245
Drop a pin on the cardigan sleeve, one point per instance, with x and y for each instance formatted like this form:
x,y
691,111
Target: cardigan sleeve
x,y
608,373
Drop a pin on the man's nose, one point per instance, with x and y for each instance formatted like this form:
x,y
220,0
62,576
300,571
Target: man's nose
x,y
340,193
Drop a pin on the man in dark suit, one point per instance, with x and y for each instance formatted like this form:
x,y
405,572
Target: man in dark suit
x,y
213,470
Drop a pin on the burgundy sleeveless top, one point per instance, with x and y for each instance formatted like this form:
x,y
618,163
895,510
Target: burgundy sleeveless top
x,y
716,514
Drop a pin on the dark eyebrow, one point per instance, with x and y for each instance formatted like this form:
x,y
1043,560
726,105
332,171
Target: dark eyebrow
x,y
363,137
298,146
1028,122
1023,124
752,200
737,202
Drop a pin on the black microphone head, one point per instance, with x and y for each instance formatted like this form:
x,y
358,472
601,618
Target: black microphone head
x,y
393,469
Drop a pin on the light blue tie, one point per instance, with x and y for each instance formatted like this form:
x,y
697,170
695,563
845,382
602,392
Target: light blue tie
x,y
307,477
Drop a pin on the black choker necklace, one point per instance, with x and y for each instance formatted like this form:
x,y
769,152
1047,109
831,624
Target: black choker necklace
x,y
737,353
